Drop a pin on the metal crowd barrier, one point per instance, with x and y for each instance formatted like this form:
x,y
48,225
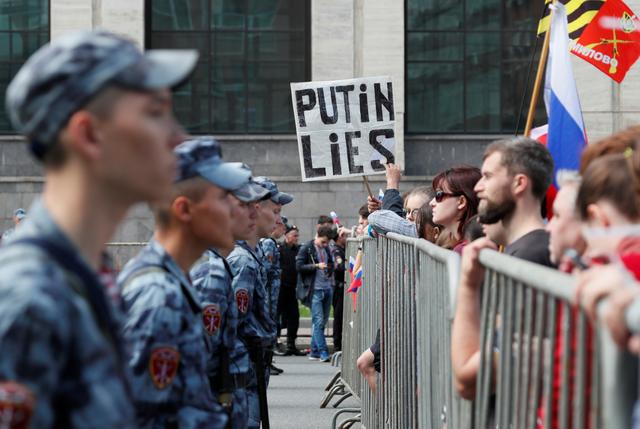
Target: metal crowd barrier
x,y
121,252
439,405
531,334
369,307
405,293
527,324
398,386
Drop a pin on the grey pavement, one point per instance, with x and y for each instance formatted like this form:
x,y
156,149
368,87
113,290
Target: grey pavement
x,y
294,397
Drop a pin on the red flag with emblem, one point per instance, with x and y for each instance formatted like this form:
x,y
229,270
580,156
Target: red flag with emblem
x,y
611,42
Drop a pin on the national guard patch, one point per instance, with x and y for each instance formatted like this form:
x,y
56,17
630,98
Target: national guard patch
x,y
163,366
211,318
242,300
16,405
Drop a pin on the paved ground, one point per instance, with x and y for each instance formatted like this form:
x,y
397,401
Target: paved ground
x,y
294,397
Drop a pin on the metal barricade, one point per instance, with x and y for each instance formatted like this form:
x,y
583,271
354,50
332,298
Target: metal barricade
x,y
540,359
541,362
121,252
369,306
439,405
398,333
351,334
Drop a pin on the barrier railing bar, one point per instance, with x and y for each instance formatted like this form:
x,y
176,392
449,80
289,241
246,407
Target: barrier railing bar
x,y
516,349
566,354
542,278
580,385
537,358
551,334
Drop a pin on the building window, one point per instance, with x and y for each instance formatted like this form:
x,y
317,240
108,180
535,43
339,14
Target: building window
x,y
250,50
466,64
24,27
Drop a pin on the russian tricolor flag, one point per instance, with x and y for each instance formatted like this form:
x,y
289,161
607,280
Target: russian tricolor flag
x,y
566,137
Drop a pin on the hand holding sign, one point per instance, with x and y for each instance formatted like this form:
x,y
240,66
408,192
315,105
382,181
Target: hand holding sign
x,y
345,128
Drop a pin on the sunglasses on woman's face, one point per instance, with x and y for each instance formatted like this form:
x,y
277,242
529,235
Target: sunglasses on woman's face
x,y
441,195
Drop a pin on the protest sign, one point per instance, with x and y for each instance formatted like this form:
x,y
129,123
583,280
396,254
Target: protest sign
x,y
345,128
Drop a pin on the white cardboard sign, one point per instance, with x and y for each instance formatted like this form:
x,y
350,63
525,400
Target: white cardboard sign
x,y
345,128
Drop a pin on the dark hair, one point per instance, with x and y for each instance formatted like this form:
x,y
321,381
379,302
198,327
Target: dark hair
x,y
473,229
324,219
615,143
325,231
614,178
461,180
424,223
364,211
522,155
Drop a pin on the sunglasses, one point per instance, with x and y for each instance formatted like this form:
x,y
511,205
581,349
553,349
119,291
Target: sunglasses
x,y
441,195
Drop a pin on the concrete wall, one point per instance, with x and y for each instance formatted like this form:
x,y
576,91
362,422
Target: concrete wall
x,y
124,17
275,156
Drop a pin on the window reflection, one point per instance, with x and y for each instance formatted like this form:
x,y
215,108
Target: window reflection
x,y
467,62
249,52
24,27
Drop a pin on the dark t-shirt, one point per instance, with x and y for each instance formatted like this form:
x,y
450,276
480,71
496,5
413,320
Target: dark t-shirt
x,y
532,247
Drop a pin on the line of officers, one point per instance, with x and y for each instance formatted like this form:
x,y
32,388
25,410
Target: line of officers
x,y
183,338
202,342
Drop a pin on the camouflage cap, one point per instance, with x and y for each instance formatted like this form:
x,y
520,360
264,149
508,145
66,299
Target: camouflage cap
x,y
250,191
276,196
202,157
62,76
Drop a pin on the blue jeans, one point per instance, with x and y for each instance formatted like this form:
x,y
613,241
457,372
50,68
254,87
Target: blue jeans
x,y
320,306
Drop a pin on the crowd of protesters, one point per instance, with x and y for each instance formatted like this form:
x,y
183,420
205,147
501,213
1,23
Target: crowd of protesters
x,y
592,232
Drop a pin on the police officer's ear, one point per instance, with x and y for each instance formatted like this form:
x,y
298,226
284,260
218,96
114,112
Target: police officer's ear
x,y
81,136
181,209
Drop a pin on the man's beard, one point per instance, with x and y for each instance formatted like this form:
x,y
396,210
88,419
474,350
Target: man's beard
x,y
491,212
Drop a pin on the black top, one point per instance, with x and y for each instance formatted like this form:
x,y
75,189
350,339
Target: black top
x,y
289,275
337,253
532,247
393,201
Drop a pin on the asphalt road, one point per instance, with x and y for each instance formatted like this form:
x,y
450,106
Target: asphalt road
x,y
294,397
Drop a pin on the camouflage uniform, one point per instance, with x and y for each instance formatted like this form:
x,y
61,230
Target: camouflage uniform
x,y
168,352
212,277
271,260
50,339
256,328
60,346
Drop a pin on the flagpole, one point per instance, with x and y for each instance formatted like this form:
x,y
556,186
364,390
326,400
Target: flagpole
x,y
538,82
529,69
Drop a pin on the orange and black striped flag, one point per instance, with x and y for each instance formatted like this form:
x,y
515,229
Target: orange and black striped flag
x,y
579,15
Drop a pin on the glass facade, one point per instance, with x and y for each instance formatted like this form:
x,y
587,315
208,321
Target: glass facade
x,y
250,50
24,27
467,63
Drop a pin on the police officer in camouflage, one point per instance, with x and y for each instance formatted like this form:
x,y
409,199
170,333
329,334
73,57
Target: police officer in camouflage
x,y
212,277
257,328
268,250
167,345
96,112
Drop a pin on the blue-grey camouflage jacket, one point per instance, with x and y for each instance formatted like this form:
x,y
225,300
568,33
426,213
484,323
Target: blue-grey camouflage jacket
x,y
167,350
212,276
249,286
271,259
50,341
